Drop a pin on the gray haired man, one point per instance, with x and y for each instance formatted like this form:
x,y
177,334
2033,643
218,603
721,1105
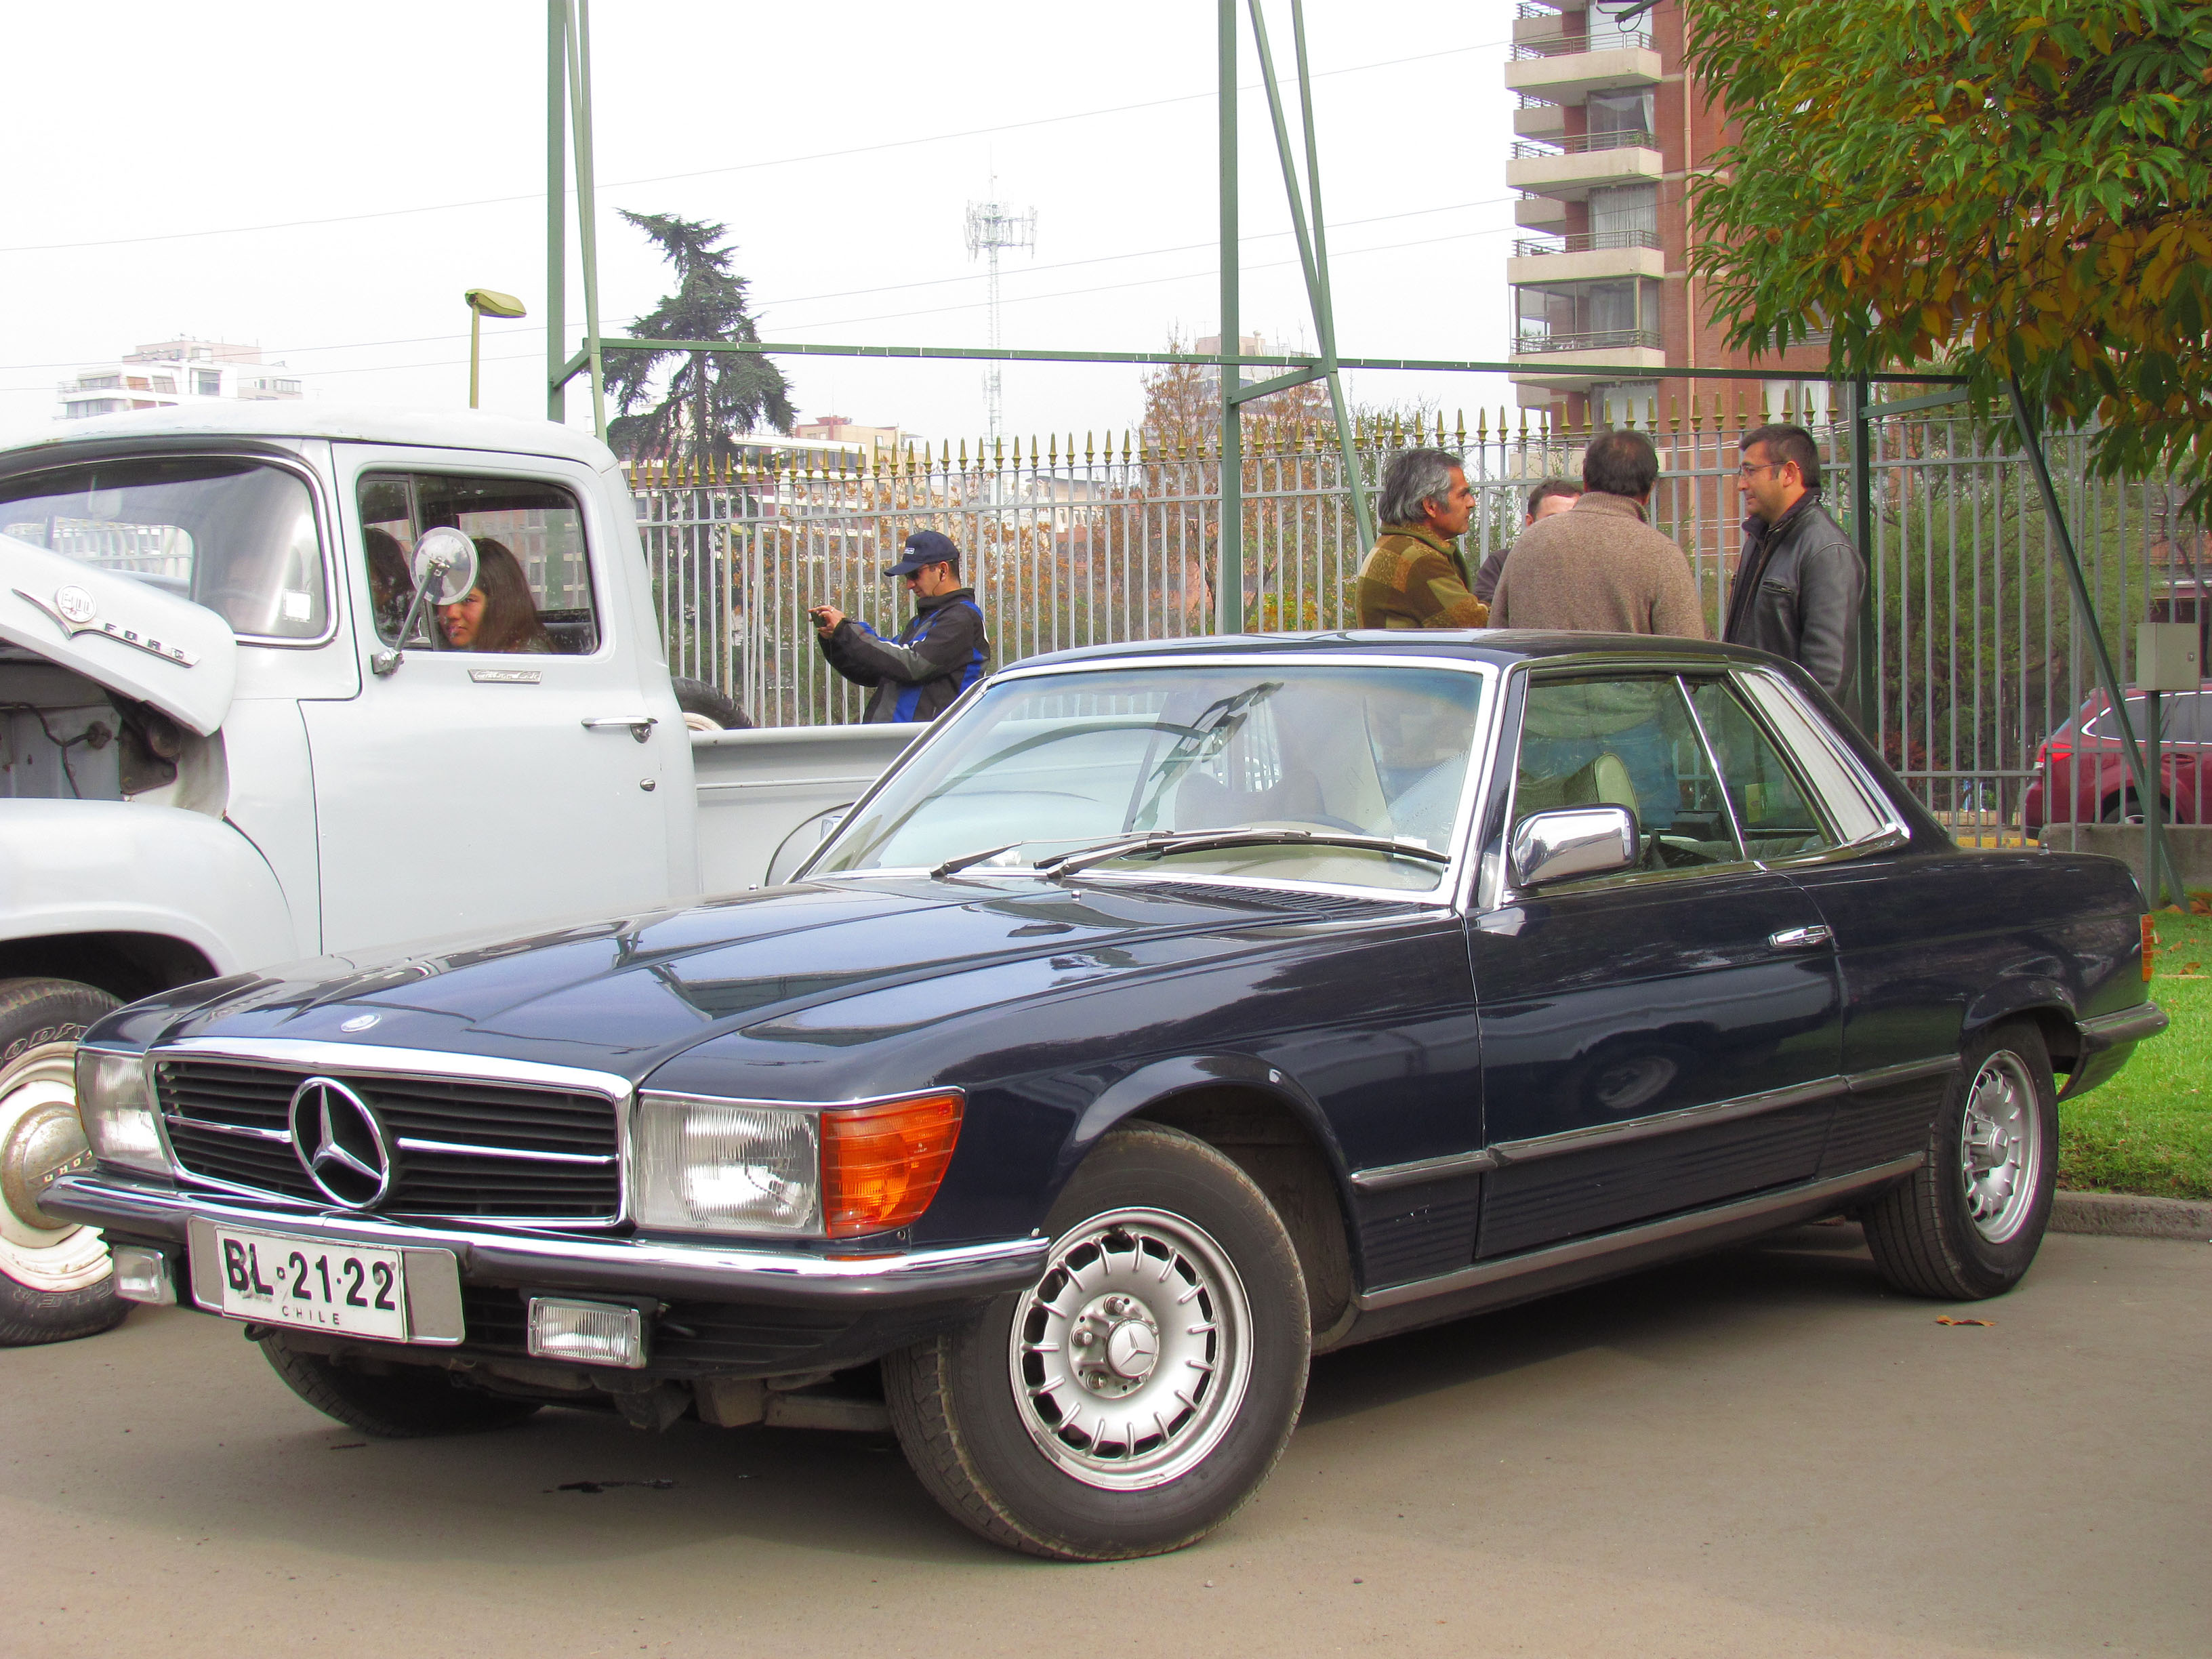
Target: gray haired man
x,y
1415,577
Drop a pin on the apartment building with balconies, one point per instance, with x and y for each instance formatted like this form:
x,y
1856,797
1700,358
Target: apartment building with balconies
x,y
175,372
1610,129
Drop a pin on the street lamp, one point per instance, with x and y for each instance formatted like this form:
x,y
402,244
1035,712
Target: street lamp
x,y
484,302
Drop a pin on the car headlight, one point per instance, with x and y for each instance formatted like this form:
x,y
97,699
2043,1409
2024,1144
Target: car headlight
x,y
115,1098
701,1164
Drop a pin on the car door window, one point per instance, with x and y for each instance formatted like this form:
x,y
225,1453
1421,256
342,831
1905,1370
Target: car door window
x,y
1772,807
1625,741
521,524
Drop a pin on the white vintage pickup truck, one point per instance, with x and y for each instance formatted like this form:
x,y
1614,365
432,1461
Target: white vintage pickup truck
x,y
231,736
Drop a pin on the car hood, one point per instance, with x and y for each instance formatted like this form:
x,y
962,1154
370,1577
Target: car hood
x,y
830,962
129,636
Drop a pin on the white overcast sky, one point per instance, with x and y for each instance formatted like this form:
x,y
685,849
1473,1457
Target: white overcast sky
x,y
165,156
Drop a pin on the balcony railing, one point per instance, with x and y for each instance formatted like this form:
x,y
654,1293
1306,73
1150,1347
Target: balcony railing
x,y
1595,41
1583,241
1610,339
1581,144
1529,11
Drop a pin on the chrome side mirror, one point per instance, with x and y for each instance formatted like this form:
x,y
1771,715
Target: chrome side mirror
x,y
1572,841
444,569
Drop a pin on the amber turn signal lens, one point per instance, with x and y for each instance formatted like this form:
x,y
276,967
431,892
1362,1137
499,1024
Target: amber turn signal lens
x,y
882,1165
2150,946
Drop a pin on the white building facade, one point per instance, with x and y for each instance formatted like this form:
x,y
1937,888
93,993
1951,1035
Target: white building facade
x,y
172,372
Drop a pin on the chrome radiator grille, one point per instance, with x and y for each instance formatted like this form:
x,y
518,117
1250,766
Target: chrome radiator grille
x,y
493,1150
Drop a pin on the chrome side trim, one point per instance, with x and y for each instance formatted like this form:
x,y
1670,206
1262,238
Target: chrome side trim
x,y
1883,1077
718,1271
433,1064
2129,1025
1689,1117
1584,1250
1384,1176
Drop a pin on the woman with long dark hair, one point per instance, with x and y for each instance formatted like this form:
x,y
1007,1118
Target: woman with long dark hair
x,y
498,613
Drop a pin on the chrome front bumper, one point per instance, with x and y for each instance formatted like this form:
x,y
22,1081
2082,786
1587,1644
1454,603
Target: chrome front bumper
x,y
712,1272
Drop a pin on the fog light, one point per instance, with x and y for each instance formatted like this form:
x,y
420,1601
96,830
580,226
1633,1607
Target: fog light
x,y
587,1333
142,1275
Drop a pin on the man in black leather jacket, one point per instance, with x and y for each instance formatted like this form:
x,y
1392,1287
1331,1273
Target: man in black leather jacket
x,y
1798,585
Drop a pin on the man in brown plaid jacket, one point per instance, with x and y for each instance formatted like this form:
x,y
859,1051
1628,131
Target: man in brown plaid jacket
x,y
1415,577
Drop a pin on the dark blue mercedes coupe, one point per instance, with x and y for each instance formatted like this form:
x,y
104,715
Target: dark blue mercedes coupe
x,y
1167,1015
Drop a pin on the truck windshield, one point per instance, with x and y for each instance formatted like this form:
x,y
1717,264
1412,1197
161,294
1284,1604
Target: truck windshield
x,y
233,534
1064,761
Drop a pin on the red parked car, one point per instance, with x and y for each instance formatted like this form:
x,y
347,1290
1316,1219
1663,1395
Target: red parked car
x,y
2082,769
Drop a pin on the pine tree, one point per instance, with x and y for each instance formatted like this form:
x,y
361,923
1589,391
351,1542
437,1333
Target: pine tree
x,y
710,398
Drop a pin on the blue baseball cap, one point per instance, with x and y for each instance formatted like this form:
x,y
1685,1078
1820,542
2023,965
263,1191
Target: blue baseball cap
x,y
925,547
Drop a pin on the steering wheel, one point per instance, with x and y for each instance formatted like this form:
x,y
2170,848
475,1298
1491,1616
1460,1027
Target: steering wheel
x,y
220,600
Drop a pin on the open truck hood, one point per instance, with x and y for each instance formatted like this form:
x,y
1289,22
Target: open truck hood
x,y
127,634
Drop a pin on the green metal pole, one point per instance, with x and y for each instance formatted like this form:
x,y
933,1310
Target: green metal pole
x,y
557,204
1869,701
1229,546
2086,608
2154,850
579,93
1313,246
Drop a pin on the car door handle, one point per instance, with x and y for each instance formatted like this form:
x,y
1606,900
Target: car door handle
x,y
641,725
1798,938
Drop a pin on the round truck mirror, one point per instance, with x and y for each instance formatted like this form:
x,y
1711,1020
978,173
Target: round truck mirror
x,y
444,565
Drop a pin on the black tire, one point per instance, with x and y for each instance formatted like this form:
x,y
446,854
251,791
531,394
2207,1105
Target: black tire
x,y
1925,1234
705,709
44,1263
1149,1195
391,1402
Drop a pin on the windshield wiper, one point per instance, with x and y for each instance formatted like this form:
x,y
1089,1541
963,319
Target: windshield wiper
x,y
966,859
1161,844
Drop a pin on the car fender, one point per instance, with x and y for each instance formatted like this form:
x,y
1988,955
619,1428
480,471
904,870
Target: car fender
x,y
71,867
1160,1079
2014,995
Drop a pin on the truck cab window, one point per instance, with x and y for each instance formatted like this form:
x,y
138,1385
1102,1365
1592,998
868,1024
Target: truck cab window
x,y
231,533
530,543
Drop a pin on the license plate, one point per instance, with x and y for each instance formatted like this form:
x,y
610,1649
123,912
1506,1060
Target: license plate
x,y
353,1290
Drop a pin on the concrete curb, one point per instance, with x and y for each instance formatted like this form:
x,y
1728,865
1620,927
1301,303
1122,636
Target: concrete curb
x,y
2131,1217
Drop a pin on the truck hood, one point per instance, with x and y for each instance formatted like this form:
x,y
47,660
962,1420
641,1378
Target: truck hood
x,y
127,634
828,963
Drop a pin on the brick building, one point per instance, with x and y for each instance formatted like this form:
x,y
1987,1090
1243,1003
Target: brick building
x,y
1609,130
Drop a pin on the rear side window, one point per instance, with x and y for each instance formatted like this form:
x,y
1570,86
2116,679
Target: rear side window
x,y
233,534
1840,788
534,528
1773,809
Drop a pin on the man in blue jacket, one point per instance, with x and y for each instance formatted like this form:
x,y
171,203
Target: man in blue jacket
x,y
939,654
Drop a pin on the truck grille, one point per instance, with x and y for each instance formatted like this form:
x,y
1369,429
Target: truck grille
x,y
492,1150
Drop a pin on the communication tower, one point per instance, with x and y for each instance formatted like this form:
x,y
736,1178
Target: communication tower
x,y
991,225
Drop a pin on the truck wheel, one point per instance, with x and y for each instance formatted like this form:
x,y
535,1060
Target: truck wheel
x,y
392,1402
1968,1223
1134,1397
55,1279
705,709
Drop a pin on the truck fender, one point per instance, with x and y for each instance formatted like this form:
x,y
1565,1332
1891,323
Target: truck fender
x,y
69,867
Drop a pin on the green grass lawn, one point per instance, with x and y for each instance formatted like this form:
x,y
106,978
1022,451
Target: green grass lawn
x,y
2149,1130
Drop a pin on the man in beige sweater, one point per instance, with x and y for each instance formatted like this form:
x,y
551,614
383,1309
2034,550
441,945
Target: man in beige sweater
x,y
1598,568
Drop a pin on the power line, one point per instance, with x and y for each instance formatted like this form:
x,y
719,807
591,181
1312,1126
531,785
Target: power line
x,y
840,293
837,322
738,167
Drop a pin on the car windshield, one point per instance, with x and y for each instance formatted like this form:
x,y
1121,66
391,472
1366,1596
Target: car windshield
x,y
1053,762
235,535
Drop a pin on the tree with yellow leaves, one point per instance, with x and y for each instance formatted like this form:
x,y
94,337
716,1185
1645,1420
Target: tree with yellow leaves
x,y
2017,188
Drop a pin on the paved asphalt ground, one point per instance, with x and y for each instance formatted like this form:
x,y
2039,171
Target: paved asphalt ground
x,y
1760,1453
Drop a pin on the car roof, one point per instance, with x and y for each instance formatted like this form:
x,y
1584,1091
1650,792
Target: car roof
x,y
1502,646
430,428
